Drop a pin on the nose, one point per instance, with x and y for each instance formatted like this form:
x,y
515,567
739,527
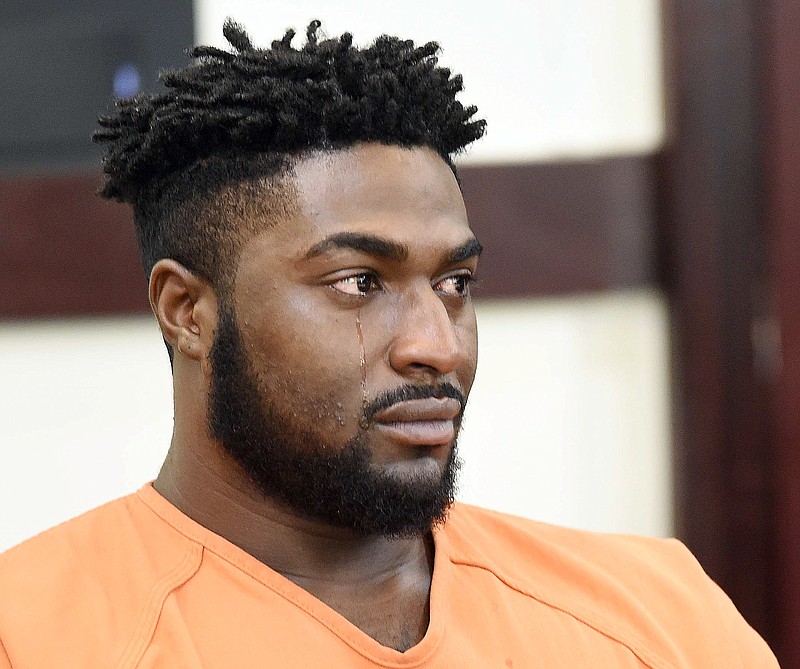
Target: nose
x,y
427,340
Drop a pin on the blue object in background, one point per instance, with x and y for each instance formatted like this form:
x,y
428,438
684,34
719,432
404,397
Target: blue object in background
x,y
127,81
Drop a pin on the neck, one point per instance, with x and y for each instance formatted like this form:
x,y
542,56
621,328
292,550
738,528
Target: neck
x,y
212,490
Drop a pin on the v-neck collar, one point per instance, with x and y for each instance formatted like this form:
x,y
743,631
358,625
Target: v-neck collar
x,y
297,596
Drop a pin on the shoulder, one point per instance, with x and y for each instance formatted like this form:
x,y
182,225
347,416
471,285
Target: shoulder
x,y
92,546
517,545
74,544
96,572
644,591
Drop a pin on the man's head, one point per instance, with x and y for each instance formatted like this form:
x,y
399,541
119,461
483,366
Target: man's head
x,y
310,258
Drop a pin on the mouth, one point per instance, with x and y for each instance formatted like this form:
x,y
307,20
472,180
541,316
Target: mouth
x,y
426,422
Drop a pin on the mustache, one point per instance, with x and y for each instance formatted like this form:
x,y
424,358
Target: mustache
x,y
411,392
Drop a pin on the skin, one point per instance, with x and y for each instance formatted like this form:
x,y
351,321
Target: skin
x,y
297,299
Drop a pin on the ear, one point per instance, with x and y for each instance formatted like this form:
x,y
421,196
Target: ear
x,y
186,309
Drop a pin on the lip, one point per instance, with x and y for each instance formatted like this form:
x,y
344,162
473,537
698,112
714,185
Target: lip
x,y
429,409
427,422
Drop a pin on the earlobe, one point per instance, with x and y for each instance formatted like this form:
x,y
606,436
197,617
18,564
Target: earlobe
x,y
185,307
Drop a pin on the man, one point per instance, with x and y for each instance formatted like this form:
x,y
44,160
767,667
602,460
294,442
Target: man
x,y
310,264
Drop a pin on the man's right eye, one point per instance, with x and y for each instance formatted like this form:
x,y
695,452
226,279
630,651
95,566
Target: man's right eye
x,y
358,285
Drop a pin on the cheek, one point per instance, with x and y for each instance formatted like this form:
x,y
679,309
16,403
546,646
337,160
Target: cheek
x,y
311,357
297,332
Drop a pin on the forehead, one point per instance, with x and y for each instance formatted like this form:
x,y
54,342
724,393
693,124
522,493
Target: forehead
x,y
387,190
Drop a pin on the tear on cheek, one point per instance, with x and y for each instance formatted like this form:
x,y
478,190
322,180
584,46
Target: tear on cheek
x,y
363,363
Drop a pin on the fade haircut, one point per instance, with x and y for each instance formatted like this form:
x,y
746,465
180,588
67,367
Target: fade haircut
x,y
202,163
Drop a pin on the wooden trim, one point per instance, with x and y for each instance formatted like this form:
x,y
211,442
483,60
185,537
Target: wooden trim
x,y
64,251
782,188
548,228
554,228
717,282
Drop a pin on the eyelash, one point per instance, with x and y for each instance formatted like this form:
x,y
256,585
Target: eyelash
x,y
468,280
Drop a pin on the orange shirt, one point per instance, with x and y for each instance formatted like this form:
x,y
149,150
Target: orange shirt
x,y
136,583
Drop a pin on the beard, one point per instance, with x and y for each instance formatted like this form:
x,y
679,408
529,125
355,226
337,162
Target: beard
x,y
291,462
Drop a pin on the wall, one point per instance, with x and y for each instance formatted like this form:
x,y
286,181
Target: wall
x,y
569,416
555,79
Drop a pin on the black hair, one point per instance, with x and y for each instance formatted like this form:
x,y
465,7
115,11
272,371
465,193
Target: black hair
x,y
236,119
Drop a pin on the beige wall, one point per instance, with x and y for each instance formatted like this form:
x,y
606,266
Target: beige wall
x,y
554,78
569,416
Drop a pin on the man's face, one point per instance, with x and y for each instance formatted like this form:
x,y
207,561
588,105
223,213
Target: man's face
x,y
342,363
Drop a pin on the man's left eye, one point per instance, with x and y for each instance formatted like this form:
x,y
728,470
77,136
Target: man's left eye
x,y
457,285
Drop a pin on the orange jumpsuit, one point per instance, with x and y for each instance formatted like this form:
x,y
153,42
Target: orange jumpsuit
x,y
136,583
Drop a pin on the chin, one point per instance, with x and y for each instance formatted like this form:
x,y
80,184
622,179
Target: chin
x,y
426,470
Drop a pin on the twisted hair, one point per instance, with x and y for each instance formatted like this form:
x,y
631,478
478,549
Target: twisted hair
x,y
236,119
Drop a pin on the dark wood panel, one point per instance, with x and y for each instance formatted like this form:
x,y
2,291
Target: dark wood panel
x,y
554,228
65,251
548,229
717,281
783,214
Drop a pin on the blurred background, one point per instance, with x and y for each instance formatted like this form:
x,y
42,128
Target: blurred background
x,y
638,194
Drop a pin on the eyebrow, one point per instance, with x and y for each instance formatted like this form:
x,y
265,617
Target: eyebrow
x,y
385,248
470,249
371,244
